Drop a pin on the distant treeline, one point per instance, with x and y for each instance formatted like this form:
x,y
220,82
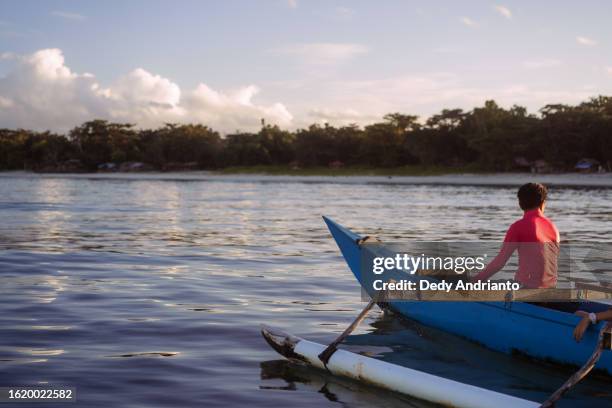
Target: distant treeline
x,y
488,138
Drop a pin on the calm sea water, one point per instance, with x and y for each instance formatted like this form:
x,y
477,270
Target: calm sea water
x,y
148,292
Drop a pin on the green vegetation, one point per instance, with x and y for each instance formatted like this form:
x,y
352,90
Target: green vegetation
x,y
487,138
413,170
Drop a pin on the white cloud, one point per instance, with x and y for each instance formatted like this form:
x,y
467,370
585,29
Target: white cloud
x,y
235,110
586,41
5,103
342,117
541,63
323,53
380,96
141,86
292,3
41,92
364,101
528,95
68,15
468,21
504,11
48,64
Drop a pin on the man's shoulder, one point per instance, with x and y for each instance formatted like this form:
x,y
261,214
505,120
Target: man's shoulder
x,y
524,229
518,223
513,231
548,221
552,228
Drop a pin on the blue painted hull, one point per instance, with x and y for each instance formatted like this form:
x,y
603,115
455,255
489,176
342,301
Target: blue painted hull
x,y
535,331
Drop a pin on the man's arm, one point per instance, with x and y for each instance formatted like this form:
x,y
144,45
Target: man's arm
x,y
586,321
506,251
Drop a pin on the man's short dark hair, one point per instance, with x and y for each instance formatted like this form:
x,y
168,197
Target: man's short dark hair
x,y
532,195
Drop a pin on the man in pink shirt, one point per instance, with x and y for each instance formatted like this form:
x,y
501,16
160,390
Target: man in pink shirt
x,y
535,238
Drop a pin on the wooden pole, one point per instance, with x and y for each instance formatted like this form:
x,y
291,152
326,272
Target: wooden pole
x,y
580,374
331,349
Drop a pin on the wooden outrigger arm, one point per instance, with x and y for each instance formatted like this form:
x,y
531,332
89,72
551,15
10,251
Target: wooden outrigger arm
x,y
333,346
603,342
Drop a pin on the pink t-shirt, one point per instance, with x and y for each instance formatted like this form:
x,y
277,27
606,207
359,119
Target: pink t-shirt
x,y
537,241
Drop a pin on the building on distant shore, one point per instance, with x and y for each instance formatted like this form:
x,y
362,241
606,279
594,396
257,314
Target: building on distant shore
x,y
588,166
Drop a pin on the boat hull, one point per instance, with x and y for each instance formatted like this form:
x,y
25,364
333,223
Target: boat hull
x,y
509,327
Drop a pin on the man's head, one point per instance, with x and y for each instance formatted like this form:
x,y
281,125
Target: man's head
x,y
532,196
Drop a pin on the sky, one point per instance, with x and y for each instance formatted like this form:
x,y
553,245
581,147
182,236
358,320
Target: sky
x,y
230,63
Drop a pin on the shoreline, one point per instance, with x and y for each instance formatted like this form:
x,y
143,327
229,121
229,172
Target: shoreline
x,y
594,180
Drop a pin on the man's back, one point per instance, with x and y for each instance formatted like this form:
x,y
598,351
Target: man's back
x,y
535,237
537,241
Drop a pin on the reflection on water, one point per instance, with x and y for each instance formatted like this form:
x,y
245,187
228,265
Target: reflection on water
x,y
149,292
281,375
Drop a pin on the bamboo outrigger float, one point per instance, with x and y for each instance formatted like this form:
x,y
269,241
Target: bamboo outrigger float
x,y
396,378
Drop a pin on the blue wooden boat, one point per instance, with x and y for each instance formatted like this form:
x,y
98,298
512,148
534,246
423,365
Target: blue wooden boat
x,y
510,327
